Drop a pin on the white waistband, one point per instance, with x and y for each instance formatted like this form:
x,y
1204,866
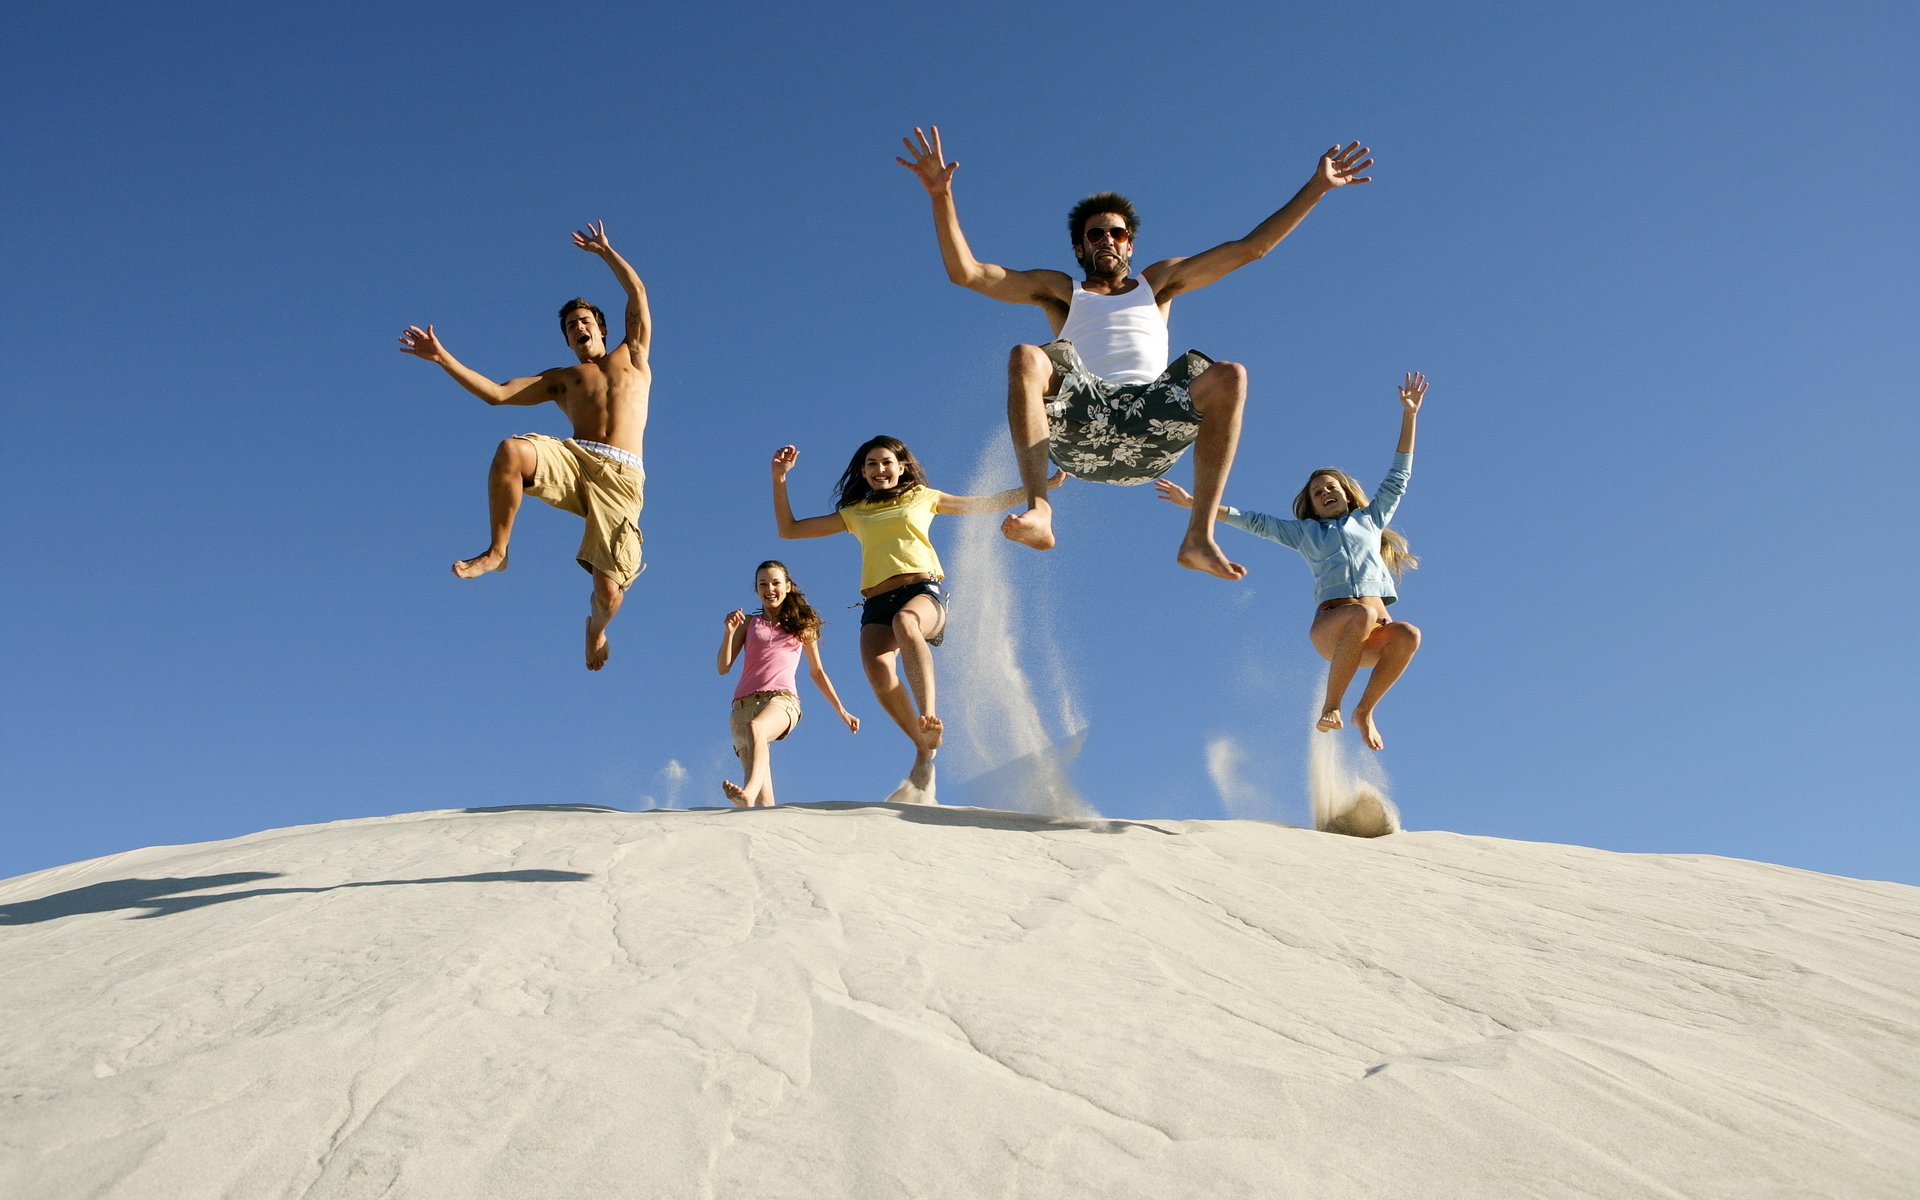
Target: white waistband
x,y
614,453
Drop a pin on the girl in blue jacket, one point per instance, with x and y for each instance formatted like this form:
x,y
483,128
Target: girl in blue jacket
x,y
1356,562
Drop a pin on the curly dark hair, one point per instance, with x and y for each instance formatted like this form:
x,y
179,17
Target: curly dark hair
x,y
1101,202
796,616
852,488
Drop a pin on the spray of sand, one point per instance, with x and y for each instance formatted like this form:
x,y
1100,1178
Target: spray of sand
x,y
1348,794
998,741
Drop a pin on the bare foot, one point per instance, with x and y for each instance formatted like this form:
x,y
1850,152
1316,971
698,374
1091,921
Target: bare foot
x,y
1202,553
474,568
932,729
1369,732
1329,721
735,793
1031,528
597,648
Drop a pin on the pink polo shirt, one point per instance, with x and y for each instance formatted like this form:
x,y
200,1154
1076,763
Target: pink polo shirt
x,y
772,657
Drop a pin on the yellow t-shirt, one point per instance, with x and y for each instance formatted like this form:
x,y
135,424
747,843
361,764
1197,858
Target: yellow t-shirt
x,y
893,536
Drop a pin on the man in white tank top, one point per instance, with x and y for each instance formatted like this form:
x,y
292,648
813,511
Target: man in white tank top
x,y
1101,399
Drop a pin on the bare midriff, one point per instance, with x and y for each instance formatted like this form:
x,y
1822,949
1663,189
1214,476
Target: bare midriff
x,y
898,581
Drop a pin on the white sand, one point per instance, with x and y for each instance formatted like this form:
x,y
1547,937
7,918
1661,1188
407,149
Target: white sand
x,y
887,1002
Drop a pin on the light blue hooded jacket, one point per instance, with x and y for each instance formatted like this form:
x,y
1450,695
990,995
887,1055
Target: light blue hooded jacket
x,y
1344,552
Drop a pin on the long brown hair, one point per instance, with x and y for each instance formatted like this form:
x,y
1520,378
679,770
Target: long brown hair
x,y
1393,547
852,488
796,616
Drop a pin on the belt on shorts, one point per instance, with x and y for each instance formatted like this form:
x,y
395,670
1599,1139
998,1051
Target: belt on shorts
x,y
750,697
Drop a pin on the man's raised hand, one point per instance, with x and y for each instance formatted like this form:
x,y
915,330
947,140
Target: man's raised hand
x,y
593,239
420,343
928,163
1339,167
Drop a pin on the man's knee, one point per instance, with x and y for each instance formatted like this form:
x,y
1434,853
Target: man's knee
x,y
607,594
1029,363
516,456
1221,382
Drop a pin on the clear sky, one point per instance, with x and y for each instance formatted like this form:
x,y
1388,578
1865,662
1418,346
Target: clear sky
x,y
1657,259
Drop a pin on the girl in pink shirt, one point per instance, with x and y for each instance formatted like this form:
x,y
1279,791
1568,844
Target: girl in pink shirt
x,y
765,706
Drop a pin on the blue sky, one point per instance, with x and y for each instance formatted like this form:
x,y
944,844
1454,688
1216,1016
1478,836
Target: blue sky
x,y
1656,259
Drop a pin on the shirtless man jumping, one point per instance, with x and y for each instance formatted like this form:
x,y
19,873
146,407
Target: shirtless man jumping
x,y
1101,400
596,473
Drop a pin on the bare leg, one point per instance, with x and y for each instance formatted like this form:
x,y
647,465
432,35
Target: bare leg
x,y
877,656
1030,376
880,650
1340,634
912,626
1219,396
766,727
513,466
1394,645
607,596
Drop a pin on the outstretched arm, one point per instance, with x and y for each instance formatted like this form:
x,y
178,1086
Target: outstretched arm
x,y
783,518
638,339
1386,497
529,389
1274,529
1412,393
1338,168
935,174
955,506
1174,494
818,670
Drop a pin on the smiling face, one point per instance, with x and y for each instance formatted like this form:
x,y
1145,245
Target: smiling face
x,y
1105,246
772,585
1328,496
881,469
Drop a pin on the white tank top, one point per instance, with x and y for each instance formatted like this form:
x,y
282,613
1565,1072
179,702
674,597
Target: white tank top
x,y
1122,339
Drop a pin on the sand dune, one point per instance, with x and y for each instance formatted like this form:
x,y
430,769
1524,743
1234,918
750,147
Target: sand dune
x,y
847,1001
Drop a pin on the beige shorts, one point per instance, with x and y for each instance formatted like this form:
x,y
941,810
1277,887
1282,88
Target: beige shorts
x,y
605,493
751,705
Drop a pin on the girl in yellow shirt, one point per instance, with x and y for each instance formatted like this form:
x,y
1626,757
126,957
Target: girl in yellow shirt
x,y
884,501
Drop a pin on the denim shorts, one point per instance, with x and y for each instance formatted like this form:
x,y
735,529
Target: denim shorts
x,y
881,609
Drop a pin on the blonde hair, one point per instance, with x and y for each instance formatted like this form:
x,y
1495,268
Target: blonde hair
x,y
1393,547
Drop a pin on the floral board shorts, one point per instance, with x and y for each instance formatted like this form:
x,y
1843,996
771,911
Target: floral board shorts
x,y
1125,433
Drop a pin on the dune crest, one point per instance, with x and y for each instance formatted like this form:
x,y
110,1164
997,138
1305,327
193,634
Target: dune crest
x,y
895,1001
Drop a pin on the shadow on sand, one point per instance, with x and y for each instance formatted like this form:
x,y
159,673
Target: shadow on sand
x,y
162,897
988,818
924,814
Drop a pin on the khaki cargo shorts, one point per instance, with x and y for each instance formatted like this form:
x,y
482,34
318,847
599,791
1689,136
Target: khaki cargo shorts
x,y
751,705
607,494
